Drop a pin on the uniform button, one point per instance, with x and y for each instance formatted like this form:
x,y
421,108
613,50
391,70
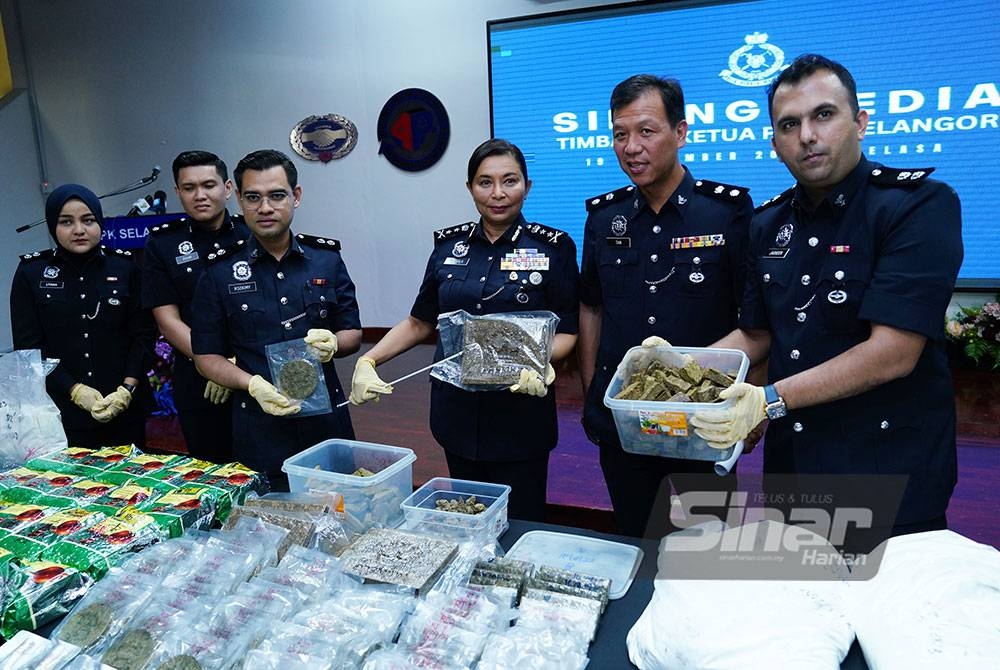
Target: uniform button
x,y
482,279
652,289
243,405
657,229
479,305
114,292
281,275
618,261
81,278
322,313
83,316
838,275
189,270
806,279
813,241
284,300
48,295
801,316
884,425
288,326
604,367
86,355
322,298
654,258
767,278
696,260
490,258
86,335
794,355
797,427
651,320
216,245
90,374
82,296
244,307
449,275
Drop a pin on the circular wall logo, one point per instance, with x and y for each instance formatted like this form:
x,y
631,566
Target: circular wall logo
x,y
413,130
756,63
324,138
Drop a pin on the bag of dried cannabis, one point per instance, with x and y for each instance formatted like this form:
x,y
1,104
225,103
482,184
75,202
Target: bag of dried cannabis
x,y
297,373
495,347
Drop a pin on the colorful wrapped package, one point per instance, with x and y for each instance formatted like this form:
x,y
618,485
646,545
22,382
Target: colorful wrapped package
x,y
74,461
118,498
146,464
184,508
233,480
15,517
30,542
39,592
96,549
183,471
17,477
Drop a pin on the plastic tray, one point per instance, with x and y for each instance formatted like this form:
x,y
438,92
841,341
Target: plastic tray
x,y
588,555
421,513
372,501
663,428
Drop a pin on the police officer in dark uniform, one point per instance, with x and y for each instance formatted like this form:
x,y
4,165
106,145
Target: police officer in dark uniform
x,y
175,256
80,303
663,260
502,437
852,273
273,288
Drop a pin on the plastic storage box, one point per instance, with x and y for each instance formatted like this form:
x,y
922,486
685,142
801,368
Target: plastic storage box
x,y
421,513
663,428
372,501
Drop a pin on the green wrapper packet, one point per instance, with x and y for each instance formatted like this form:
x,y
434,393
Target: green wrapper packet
x,y
75,461
39,592
15,517
184,471
118,498
30,542
145,464
234,480
97,549
187,507
17,477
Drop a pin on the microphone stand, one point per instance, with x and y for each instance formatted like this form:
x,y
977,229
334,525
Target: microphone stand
x,y
127,188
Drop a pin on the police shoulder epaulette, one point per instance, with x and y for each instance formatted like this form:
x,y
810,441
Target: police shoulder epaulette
x,y
614,196
227,251
446,233
318,242
161,228
720,190
780,198
35,255
117,252
887,176
550,235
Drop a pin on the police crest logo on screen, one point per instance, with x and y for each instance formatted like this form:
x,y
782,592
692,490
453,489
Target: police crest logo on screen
x,y
241,271
756,63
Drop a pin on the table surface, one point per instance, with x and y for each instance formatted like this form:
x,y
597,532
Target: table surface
x,y
608,649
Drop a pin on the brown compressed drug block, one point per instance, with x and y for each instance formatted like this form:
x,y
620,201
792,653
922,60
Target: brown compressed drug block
x,y
692,372
467,506
87,626
720,379
298,378
131,651
679,397
495,351
182,662
675,383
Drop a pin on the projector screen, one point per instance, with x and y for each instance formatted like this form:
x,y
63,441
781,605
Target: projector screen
x,y
927,72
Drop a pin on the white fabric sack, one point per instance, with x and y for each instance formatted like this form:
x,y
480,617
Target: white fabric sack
x,y
934,603
739,624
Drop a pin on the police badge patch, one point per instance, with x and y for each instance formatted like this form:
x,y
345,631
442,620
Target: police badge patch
x,y
460,249
619,225
184,248
784,235
241,271
50,272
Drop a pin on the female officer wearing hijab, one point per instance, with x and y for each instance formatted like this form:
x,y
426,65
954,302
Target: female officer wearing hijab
x,y
79,303
502,437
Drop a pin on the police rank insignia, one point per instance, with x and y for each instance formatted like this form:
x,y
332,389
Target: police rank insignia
x,y
619,225
324,138
50,272
784,235
698,241
460,249
185,247
241,271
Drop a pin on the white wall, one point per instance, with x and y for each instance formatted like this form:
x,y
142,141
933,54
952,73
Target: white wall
x,y
122,85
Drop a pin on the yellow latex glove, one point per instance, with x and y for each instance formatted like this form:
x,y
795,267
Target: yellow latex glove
x,y
722,428
366,384
85,397
531,382
216,393
323,341
655,341
111,405
269,399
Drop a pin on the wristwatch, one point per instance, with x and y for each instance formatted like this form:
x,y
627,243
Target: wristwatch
x,y
129,387
774,405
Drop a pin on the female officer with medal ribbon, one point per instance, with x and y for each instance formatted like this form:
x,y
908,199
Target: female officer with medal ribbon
x,y
79,303
502,437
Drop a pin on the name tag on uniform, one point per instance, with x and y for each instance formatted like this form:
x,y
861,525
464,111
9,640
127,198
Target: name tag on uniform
x,y
186,258
625,242
50,284
451,260
245,287
776,252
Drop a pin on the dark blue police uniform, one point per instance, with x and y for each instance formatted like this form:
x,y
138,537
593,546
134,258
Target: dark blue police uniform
x,y
678,274
882,247
175,255
467,271
246,300
85,310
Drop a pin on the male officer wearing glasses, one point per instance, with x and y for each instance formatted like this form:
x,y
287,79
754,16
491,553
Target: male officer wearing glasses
x,y
275,287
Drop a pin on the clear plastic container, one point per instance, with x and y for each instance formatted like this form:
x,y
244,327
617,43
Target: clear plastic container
x,y
663,428
371,501
422,515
